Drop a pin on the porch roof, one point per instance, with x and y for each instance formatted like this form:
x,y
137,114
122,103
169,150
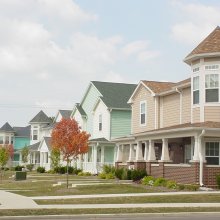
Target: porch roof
x,y
100,140
208,125
34,147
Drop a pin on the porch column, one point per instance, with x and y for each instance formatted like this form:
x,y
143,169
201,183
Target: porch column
x,y
41,158
102,154
146,152
165,152
95,159
151,153
20,158
139,156
80,162
119,154
196,149
34,158
131,153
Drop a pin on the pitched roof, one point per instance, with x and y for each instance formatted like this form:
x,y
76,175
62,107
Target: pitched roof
x,y
41,117
80,109
22,131
7,127
115,95
48,142
65,113
158,87
211,44
34,147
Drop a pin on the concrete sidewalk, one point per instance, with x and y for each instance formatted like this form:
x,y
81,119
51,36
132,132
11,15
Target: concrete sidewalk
x,y
10,200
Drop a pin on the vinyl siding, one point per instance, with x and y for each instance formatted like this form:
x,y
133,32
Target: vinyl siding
x,y
196,115
120,123
77,116
186,105
212,113
104,133
88,105
143,94
20,142
171,110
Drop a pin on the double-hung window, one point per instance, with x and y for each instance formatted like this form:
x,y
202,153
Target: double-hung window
x,y
212,88
143,108
196,90
212,153
100,122
35,135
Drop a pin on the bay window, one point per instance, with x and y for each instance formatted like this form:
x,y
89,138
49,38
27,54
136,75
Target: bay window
x,y
212,88
196,90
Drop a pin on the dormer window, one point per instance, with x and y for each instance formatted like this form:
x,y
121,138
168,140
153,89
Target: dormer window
x,y
100,122
212,88
212,67
35,135
196,90
196,69
143,113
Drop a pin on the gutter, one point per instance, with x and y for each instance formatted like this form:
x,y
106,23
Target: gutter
x,y
201,159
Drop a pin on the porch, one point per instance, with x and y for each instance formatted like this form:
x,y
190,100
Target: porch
x,y
189,157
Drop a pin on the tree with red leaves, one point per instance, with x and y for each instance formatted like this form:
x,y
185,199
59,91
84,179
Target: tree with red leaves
x,y
68,138
6,152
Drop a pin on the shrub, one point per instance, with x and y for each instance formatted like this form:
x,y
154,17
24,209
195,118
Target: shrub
x,y
119,173
102,175
218,180
108,169
160,182
41,170
110,176
171,184
76,171
84,174
138,174
30,167
181,186
19,168
192,187
148,180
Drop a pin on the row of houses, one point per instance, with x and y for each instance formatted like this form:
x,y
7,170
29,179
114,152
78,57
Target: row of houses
x,y
171,129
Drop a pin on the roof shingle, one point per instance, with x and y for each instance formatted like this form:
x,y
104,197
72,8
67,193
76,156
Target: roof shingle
x,y
7,127
41,117
115,95
211,44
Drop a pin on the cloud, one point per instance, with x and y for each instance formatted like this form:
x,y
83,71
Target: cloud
x,y
197,21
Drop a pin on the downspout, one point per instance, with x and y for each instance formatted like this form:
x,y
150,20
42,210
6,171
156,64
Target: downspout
x,y
201,159
178,91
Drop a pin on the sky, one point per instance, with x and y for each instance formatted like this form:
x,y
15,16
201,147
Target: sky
x,y
51,49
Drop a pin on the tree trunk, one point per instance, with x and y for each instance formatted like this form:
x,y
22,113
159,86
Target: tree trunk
x,y
67,174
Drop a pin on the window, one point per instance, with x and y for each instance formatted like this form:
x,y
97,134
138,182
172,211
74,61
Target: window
x,y
212,67
143,113
12,140
212,88
195,69
6,139
35,135
212,153
1,139
100,122
196,90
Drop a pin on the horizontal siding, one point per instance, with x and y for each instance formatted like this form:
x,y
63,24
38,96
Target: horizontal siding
x,y
120,123
143,94
171,110
196,115
20,142
186,105
212,113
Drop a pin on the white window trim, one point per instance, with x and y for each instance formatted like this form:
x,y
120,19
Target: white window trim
x,y
208,74
211,69
193,90
100,116
143,102
208,141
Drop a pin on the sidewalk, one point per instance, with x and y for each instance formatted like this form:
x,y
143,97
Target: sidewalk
x,y
10,200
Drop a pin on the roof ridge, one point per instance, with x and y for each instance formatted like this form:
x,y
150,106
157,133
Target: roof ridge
x,y
114,82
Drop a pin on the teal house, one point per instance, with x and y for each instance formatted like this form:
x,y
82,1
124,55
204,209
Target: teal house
x,y
16,136
105,114
21,139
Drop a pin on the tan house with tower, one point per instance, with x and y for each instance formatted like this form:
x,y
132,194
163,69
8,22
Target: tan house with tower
x,y
176,126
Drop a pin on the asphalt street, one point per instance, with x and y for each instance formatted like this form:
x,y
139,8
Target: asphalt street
x,y
194,216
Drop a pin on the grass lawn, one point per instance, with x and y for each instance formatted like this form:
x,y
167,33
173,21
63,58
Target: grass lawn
x,y
19,212
208,198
